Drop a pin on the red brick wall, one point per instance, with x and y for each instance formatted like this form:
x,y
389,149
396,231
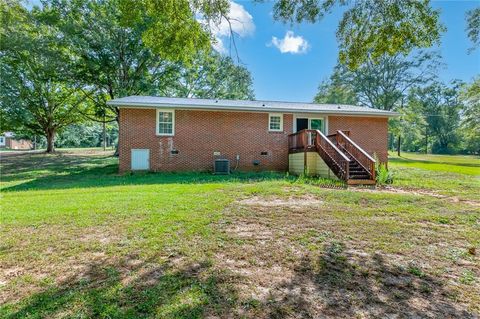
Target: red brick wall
x,y
198,134
370,133
18,144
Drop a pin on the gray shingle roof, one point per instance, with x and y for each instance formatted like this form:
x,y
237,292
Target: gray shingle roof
x,y
243,105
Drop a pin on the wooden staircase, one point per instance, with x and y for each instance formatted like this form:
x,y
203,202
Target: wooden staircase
x,y
347,160
357,172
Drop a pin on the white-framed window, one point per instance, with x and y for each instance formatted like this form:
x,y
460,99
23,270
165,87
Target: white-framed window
x,y
275,122
165,122
317,124
2,140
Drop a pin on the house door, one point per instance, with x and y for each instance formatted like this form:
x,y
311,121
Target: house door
x,y
310,123
302,124
140,159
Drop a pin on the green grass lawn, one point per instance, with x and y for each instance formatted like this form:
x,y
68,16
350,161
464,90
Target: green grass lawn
x,y
456,176
78,240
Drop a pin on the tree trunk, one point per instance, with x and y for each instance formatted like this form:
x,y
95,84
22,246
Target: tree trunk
x,y
104,135
50,135
426,142
399,142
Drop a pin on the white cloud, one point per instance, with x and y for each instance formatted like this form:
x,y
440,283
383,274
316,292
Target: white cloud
x,y
241,24
290,43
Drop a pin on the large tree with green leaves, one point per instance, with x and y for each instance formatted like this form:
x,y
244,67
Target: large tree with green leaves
x,y
212,75
111,58
175,29
382,84
440,107
35,66
471,116
114,59
336,90
371,29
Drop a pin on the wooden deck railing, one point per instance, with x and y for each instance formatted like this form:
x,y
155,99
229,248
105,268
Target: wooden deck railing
x,y
362,157
306,140
301,141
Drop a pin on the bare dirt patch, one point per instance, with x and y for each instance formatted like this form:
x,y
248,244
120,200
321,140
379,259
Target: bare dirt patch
x,y
307,200
293,261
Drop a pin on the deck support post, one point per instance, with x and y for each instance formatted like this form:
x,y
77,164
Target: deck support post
x,y
305,142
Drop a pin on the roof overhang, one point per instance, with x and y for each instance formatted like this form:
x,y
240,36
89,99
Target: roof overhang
x,y
234,108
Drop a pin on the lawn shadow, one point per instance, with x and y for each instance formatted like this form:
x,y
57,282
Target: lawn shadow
x,y
46,172
27,166
132,290
334,286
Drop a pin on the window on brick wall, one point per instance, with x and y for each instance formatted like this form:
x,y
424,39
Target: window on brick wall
x,y
275,122
317,124
166,122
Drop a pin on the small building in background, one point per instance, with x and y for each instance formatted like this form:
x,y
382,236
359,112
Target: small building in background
x,y
8,140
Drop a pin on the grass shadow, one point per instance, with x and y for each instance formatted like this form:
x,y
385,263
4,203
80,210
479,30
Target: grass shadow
x,y
146,290
335,286
47,172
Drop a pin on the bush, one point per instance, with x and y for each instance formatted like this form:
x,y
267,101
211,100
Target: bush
x,y
383,175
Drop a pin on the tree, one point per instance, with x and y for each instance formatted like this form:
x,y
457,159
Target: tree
x,y
473,26
36,96
471,116
383,84
368,27
336,91
371,29
440,107
86,134
213,76
412,127
176,30
112,60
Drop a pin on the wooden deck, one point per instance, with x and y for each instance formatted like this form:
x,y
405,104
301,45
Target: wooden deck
x,y
340,154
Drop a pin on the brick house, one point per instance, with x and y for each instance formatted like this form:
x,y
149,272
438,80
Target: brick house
x,y
8,140
179,134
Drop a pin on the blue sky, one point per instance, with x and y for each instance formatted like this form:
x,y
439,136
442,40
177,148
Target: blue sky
x,y
295,76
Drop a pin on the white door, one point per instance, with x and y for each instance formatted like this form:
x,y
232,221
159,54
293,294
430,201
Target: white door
x,y
140,159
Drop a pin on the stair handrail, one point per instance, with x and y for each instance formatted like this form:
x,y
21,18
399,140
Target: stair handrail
x,y
338,162
362,157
